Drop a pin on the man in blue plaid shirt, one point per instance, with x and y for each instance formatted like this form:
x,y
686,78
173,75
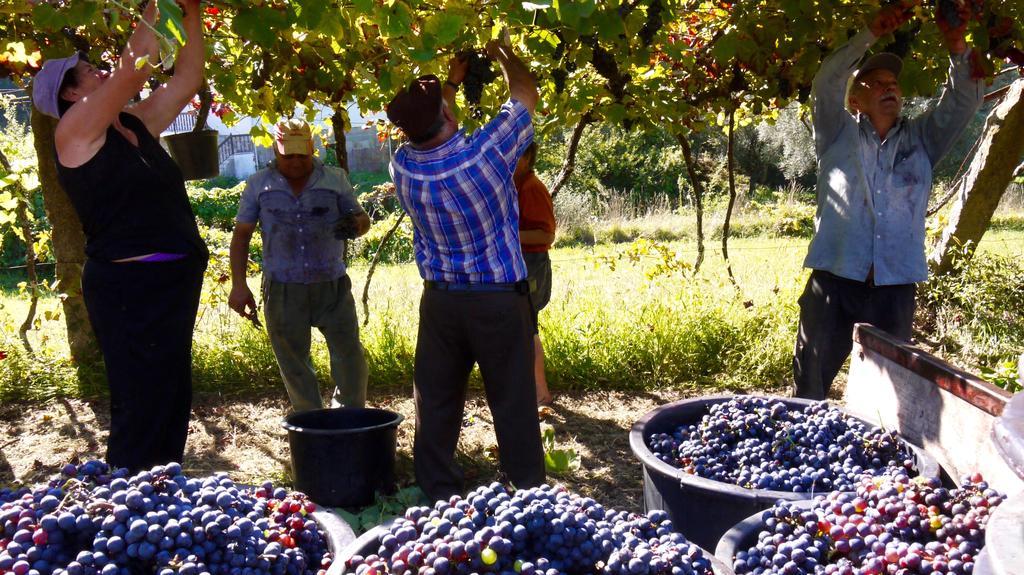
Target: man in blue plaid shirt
x,y
458,191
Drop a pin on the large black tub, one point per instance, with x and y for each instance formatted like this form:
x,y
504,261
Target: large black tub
x,y
368,543
340,457
743,535
338,533
703,509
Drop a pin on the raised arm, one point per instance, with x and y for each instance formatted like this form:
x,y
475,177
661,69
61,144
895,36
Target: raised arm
x,y
521,85
961,96
829,86
166,102
82,130
457,67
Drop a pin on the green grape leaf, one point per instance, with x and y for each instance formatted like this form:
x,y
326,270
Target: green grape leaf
x,y
48,18
260,24
169,24
82,13
443,27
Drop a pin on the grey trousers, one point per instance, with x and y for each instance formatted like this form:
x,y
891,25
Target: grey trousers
x,y
829,307
291,311
495,331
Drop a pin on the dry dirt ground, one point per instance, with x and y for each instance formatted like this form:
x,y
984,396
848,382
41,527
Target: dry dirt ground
x,y
244,437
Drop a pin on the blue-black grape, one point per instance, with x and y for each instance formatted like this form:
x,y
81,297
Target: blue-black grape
x,y
892,523
760,443
540,531
96,521
479,73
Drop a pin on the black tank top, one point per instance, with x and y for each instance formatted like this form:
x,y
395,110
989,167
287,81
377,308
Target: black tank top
x,y
132,200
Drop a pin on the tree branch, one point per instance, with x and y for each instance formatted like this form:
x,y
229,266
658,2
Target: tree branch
x,y
569,164
698,197
731,162
373,266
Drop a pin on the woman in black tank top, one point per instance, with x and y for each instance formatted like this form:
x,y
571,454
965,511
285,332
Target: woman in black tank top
x,y
145,259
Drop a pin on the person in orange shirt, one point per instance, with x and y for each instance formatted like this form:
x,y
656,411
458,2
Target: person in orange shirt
x,y
536,234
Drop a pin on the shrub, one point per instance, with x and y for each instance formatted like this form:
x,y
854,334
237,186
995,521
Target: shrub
x,y
399,248
788,220
366,181
610,158
216,207
217,182
977,310
572,212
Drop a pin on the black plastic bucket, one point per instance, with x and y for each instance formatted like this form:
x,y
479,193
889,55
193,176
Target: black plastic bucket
x,y
703,509
338,533
340,457
196,153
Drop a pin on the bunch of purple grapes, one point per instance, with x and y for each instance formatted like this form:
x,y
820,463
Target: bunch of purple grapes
x,y
760,443
540,531
479,73
892,524
96,521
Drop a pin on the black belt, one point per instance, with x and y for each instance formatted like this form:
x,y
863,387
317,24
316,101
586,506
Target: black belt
x,y
522,287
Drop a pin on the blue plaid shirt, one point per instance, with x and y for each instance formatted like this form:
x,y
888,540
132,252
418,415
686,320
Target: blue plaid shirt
x,y
463,203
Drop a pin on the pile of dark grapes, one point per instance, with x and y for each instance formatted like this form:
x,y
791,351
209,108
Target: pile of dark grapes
x,y
760,443
892,524
540,531
479,73
93,520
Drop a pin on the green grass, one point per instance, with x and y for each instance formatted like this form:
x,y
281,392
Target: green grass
x,y
617,320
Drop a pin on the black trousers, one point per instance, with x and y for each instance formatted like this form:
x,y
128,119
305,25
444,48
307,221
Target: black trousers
x,y
458,329
829,307
143,315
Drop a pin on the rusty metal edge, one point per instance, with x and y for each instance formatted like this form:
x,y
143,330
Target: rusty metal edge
x,y
970,388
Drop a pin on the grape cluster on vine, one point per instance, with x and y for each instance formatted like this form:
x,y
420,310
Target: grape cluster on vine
x,y
92,520
540,531
892,524
479,73
605,64
652,24
761,443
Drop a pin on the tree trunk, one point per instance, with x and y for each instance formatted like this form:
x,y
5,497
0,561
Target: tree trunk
x,y
68,244
30,267
731,165
338,123
570,156
987,179
698,197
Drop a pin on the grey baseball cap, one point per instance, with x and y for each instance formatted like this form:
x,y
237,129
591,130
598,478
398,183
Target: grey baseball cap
x,y
46,85
883,61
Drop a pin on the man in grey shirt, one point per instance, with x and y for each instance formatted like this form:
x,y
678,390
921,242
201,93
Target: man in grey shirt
x,y
874,179
306,211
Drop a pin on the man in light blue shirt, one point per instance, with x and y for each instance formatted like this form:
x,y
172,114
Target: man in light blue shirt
x,y
306,211
874,180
